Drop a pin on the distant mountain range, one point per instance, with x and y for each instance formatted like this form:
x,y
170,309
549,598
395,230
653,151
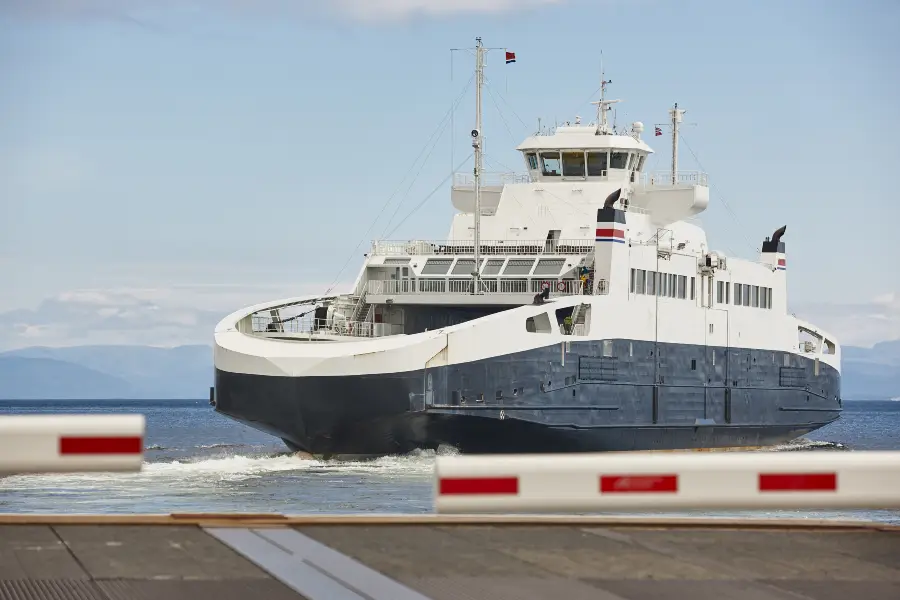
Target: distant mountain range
x,y
101,372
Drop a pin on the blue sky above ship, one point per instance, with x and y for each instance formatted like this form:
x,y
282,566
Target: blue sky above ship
x,y
162,162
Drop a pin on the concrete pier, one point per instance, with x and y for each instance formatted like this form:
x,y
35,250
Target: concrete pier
x,y
273,557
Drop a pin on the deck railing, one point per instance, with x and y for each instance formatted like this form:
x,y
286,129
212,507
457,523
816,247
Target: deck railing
x,y
489,179
664,178
264,323
569,247
462,286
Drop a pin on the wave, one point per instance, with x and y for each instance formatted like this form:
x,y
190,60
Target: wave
x,y
206,472
803,445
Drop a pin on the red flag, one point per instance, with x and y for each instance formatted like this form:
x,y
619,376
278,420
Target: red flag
x,y
510,57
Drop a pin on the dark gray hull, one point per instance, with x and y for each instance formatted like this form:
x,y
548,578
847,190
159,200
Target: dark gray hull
x,y
640,396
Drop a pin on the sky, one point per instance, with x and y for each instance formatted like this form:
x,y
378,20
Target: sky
x,y
165,162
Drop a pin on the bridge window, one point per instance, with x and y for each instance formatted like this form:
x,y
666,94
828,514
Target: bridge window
x,y
573,164
551,166
532,161
640,165
619,160
597,163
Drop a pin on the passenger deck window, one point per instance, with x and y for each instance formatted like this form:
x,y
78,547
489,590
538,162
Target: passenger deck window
x,y
597,163
573,164
551,166
619,160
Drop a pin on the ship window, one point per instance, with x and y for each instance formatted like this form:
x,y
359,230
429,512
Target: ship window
x,y
493,266
745,294
549,266
597,163
755,297
633,277
437,266
464,266
639,283
538,323
727,293
619,160
672,280
737,294
693,288
607,348
693,364
532,161
682,286
720,292
641,162
551,165
573,164
651,283
518,266
763,297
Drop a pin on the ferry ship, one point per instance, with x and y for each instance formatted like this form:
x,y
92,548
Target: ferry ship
x,y
597,319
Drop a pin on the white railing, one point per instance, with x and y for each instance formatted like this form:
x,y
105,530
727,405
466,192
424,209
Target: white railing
x,y
306,326
488,247
664,178
467,180
459,285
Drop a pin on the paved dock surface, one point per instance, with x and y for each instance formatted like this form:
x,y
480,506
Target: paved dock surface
x,y
450,561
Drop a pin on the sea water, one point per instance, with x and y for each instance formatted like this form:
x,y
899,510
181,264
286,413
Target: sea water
x,y
200,461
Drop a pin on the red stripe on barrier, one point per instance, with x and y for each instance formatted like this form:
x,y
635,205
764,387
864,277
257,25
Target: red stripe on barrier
x,y
479,485
798,482
616,233
100,445
653,484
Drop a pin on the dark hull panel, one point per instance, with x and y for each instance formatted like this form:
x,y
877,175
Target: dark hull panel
x,y
580,397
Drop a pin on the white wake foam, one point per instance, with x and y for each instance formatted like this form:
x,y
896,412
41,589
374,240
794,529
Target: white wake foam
x,y
211,472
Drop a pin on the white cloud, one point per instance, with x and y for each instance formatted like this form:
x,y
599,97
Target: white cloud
x,y
168,316
359,9
862,324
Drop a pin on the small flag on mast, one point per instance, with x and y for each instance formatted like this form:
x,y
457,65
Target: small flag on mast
x,y
658,131
510,57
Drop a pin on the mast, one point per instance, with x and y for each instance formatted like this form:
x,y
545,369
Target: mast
x,y
603,106
476,144
676,115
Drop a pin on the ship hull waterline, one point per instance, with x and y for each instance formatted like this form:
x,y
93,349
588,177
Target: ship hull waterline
x,y
535,402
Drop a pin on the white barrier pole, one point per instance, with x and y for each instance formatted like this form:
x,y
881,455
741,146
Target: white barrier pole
x,y
673,481
71,443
